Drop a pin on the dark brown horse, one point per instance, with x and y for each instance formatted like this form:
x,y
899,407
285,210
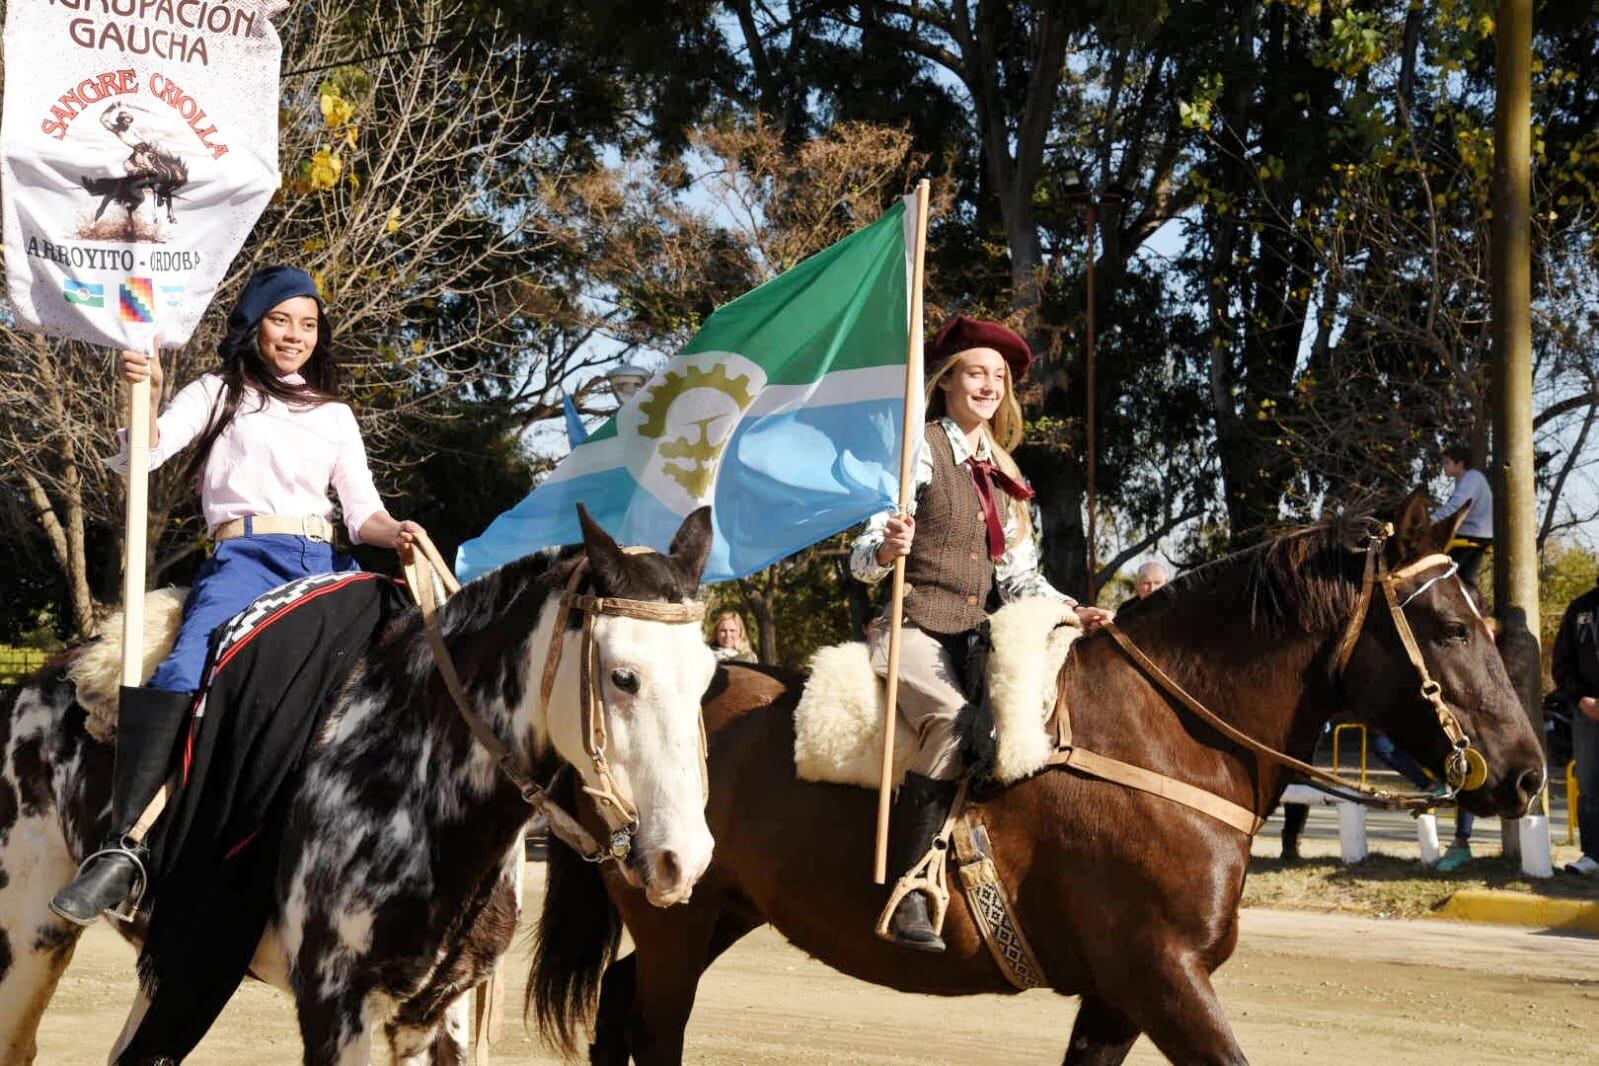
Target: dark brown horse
x,y
1130,900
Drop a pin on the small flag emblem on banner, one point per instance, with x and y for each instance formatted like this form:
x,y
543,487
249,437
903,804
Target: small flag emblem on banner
x,y
172,296
138,300
83,293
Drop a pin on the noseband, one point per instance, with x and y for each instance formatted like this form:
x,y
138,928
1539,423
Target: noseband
x,y
616,808
1465,768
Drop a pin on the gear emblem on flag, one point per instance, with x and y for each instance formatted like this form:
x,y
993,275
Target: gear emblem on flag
x,y
700,452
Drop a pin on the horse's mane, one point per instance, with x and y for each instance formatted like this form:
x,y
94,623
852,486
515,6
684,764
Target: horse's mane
x,y
488,621
1304,580
485,623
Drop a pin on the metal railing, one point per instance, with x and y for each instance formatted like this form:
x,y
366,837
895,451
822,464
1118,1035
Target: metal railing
x,y
18,664
1337,735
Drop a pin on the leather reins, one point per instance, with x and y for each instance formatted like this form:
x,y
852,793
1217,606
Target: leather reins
x,y
1465,768
615,807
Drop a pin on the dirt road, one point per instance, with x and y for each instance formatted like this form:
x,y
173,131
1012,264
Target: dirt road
x,y
1304,988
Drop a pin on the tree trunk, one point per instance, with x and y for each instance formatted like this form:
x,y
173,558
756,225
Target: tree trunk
x,y
1515,499
760,596
66,544
1059,479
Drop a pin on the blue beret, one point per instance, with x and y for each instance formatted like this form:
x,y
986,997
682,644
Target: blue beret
x,y
266,289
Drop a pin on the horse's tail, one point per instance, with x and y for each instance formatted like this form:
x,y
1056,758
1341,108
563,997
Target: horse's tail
x,y
577,937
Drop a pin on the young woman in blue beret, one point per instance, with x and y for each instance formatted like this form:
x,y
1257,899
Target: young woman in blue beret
x,y
272,436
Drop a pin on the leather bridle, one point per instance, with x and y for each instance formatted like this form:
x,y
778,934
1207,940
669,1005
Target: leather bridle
x,y
1464,769
614,806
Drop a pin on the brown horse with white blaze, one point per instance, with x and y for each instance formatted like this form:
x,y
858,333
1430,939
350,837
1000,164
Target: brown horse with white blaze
x,y
1130,900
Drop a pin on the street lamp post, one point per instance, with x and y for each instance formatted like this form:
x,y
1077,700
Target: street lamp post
x,y
626,379
1074,190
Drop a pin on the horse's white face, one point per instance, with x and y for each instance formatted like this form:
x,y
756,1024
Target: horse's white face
x,y
652,676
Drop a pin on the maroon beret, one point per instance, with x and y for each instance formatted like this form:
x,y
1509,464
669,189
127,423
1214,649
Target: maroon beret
x,y
960,334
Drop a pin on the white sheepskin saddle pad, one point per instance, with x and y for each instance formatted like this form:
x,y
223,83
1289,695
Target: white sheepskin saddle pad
x,y
838,723
96,670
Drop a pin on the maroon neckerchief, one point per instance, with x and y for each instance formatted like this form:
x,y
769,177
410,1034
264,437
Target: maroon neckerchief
x,y
985,475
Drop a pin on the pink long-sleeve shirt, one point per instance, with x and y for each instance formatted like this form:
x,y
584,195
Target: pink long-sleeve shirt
x,y
272,459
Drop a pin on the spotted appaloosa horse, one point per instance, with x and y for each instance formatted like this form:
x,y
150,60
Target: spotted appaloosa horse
x,y
393,892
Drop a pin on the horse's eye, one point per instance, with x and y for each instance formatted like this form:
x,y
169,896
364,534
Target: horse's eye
x,y
626,680
1455,633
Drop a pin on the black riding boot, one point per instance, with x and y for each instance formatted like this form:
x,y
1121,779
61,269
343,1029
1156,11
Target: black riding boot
x,y
919,813
148,724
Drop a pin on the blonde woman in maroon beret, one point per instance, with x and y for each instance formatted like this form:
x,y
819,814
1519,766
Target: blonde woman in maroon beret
x,y
968,546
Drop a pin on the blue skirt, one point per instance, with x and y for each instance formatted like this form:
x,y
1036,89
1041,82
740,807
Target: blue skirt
x,y
240,569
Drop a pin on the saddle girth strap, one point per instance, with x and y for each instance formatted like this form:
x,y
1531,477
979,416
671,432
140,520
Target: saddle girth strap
x,y
990,905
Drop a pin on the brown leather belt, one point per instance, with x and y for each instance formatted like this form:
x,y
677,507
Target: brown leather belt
x,y
312,526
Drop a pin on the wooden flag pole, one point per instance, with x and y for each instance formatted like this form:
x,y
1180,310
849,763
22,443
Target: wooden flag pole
x,y
896,603
136,521
135,536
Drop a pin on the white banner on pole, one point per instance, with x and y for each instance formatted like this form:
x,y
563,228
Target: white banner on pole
x,y
138,147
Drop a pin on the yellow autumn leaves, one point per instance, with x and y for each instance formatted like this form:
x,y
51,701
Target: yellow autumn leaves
x,y
326,167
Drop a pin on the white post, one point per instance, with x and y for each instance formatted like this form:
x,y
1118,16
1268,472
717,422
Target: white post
x,y
1351,831
1427,837
1536,861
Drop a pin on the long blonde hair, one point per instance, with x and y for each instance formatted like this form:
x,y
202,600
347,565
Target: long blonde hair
x,y
1004,432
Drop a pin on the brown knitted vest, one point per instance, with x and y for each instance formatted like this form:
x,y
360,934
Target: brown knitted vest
x,y
948,576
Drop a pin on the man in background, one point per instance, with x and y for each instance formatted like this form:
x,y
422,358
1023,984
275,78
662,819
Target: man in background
x,y
1476,534
1576,673
1150,578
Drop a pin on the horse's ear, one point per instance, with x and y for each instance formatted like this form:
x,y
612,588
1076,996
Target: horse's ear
x,y
691,547
605,557
1413,531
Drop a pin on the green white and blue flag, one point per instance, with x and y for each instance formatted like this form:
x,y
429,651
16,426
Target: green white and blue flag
x,y
785,413
83,293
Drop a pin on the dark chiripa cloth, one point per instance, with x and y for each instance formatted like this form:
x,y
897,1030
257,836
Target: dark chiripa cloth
x,y
274,672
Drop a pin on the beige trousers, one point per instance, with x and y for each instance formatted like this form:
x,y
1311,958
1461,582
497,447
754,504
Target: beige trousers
x,y
930,696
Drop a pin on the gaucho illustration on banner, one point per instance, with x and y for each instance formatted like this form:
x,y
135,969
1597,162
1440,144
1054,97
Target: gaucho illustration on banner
x,y
139,145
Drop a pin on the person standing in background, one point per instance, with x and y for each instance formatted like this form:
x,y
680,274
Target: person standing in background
x,y
1576,673
1151,578
1476,534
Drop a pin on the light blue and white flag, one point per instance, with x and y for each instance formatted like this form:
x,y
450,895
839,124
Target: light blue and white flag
x,y
785,413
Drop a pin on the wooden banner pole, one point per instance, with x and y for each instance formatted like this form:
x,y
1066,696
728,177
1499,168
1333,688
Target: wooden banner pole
x,y
913,406
136,522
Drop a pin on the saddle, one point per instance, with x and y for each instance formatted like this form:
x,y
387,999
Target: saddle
x,y
838,722
96,670
273,674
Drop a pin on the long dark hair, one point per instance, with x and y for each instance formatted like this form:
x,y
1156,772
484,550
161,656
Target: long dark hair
x,y
242,364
